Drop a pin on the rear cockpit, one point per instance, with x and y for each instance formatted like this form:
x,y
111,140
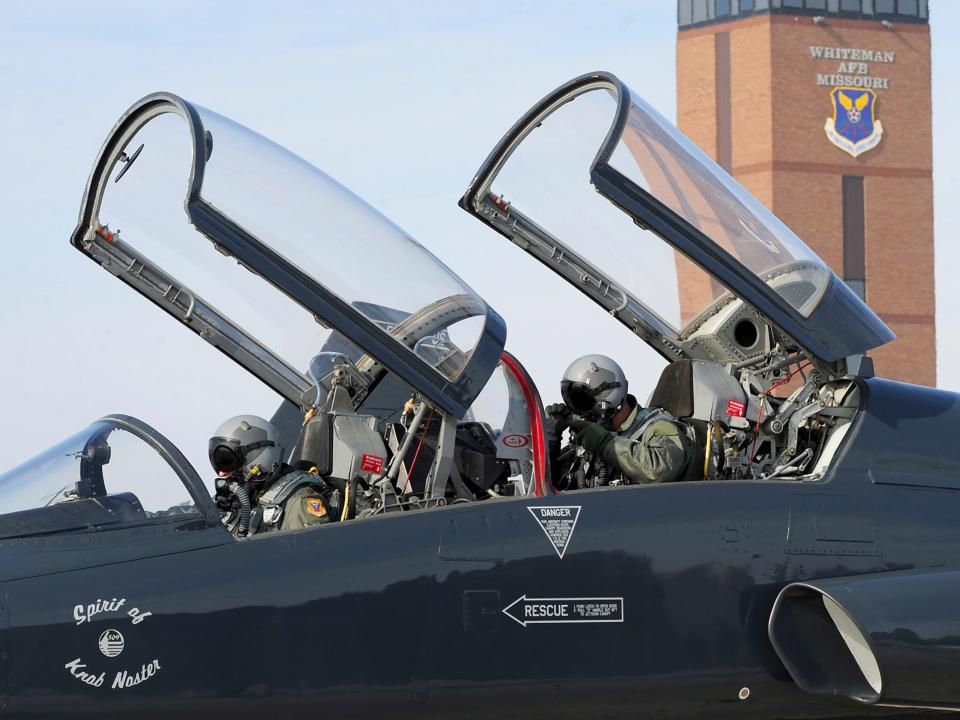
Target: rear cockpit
x,y
762,338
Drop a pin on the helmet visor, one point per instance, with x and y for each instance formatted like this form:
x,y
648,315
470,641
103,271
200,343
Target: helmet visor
x,y
578,396
225,455
228,455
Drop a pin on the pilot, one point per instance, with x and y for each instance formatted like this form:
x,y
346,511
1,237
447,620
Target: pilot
x,y
256,491
628,443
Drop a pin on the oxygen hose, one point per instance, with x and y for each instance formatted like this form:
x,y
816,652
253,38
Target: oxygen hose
x,y
706,454
240,491
603,472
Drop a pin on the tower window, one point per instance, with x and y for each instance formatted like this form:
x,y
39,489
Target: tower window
x,y
700,13
854,250
908,7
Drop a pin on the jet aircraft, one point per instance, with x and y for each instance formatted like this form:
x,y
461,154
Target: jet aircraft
x,y
810,573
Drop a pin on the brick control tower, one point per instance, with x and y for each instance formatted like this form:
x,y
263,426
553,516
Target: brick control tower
x,y
822,109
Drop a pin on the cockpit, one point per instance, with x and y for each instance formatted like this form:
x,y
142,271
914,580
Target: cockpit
x,y
375,349
118,473
762,338
381,358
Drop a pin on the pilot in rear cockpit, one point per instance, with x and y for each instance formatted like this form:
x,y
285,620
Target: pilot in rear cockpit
x,y
616,440
255,490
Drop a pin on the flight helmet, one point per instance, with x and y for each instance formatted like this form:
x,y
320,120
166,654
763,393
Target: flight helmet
x,y
594,385
246,445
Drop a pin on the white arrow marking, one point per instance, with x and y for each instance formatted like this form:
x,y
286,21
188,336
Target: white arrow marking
x,y
566,610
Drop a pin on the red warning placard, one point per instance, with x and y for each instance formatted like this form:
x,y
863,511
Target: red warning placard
x,y
735,408
371,463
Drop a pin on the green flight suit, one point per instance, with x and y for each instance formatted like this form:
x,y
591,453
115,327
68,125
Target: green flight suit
x,y
305,508
304,499
658,449
651,447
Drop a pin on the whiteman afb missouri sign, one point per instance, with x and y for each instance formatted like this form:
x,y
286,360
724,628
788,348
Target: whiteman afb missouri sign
x,y
854,66
853,125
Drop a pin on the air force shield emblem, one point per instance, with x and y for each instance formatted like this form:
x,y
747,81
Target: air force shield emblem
x,y
853,127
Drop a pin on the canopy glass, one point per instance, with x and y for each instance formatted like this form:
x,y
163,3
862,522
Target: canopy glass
x,y
300,257
689,236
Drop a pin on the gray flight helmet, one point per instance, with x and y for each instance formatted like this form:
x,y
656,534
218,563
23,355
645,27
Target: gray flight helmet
x,y
594,384
247,444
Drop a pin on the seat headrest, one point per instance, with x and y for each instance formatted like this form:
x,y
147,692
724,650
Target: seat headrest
x,y
674,391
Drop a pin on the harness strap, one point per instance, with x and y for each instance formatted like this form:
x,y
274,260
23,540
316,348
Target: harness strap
x,y
280,491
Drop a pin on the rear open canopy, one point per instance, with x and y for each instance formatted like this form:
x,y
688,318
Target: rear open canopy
x,y
535,188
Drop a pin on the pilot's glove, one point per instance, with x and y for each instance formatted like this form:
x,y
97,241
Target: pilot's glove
x,y
559,416
591,436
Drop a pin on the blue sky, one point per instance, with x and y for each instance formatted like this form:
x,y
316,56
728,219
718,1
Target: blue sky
x,y
400,102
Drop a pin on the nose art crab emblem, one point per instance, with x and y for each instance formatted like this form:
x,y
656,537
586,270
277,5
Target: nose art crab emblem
x,y
111,643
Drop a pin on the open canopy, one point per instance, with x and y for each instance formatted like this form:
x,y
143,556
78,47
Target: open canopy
x,y
721,243
299,257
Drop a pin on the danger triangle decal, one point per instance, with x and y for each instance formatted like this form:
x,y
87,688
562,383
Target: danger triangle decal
x,y
557,523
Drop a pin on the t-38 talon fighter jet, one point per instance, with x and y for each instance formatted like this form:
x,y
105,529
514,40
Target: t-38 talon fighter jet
x,y
810,574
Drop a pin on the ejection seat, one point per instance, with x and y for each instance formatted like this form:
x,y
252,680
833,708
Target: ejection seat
x,y
697,393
